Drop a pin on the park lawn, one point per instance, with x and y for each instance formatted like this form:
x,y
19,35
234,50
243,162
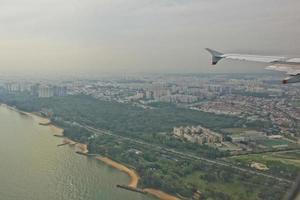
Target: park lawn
x,y
288,157
264,158
273,142
296,103
288,154
236,131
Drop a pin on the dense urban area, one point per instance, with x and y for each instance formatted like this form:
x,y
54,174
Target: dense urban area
x,y
205,136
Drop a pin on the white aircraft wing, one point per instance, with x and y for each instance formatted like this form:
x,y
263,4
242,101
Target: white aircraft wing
x,y
289,65
289,69
255,58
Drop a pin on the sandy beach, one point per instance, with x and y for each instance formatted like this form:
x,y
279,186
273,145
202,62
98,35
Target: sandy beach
x,y
37,118
56,130
83,147
43,120
133,175
135,179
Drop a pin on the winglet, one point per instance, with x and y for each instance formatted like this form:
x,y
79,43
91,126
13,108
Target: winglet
x,y
216,56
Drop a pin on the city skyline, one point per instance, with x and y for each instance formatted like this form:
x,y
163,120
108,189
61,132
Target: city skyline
x,y
115,37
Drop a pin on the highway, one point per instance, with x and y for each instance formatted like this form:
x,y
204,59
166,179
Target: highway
x,y
185,155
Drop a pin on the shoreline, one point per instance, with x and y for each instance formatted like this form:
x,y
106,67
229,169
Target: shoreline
x,y
39,119
135,178
83,148
130,172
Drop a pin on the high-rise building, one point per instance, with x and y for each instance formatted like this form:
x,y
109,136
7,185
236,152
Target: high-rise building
x,y
45,92
12,87
34,90
60,91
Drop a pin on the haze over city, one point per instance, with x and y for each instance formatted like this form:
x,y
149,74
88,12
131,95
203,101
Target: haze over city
x,y
132,36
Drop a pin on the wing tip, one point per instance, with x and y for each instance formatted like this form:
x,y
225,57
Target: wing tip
x,y
216,56
284,81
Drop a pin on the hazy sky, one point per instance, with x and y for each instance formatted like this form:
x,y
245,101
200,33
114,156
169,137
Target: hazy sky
x,y
129,36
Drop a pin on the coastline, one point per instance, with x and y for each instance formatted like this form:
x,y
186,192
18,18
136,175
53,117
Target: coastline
x,y
132,174
83,148
135,178
43,120
39,119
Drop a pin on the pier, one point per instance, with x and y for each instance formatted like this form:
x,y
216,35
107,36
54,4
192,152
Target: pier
x,y
126,187
45,124
86,154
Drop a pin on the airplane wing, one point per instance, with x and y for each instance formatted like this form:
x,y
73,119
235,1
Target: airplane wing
x,y
256,58
289,65
289,69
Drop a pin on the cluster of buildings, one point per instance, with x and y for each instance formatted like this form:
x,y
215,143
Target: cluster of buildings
x,y
279,111
162,93
36,89
12,87
46,91
179,89
197,134
220,107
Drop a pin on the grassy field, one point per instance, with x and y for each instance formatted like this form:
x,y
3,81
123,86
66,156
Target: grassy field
x,y
289,154
296,103
236,131
292,157
273,142
287,158
283,164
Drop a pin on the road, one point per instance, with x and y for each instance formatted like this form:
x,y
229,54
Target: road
x,y
185,155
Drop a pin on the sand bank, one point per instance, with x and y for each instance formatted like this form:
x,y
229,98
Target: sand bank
x,y
135,179
80,147
132,174
56,130
43,120
37,118
83,147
